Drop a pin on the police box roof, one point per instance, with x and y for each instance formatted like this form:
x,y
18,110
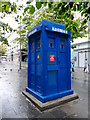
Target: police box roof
x,y
49,26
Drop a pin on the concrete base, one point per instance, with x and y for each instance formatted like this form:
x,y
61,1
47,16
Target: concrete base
x,y
50,96
50,104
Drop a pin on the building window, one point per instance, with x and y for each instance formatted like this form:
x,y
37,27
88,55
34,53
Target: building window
x,y
51,43
62,44
38,44
32,45
75,58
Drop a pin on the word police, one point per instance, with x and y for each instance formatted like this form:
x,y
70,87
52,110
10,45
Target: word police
x,y
59,30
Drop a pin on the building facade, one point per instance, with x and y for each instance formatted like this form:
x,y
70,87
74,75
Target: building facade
x,y
13,51
81,52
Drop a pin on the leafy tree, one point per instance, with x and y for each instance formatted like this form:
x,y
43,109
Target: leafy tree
x,y
4,28
21,39
6,8
63,12
2,50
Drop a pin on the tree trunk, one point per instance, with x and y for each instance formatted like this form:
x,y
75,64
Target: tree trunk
x,y
20,57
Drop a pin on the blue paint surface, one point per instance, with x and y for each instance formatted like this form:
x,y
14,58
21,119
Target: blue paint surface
x,y
49,75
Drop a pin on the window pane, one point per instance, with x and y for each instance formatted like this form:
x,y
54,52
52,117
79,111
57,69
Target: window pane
x,y
51,42
38,44
32,45
75,58
62,44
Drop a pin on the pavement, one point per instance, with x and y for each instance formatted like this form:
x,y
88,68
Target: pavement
x,y
15,105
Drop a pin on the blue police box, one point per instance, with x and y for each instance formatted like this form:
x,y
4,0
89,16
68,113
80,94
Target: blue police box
x,y
49,75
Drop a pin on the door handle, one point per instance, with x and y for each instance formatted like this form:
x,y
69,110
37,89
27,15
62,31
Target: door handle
x,y
59,61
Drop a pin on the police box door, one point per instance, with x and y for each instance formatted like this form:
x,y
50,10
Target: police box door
x,y
57,64
32,64
35,64
62,63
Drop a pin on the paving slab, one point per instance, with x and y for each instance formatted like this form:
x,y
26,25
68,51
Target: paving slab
x,y
50,104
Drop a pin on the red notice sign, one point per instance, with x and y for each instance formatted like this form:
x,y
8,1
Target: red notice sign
x,y
52,58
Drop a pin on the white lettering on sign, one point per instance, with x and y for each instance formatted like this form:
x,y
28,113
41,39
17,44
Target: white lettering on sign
x,y
32,32
59,30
